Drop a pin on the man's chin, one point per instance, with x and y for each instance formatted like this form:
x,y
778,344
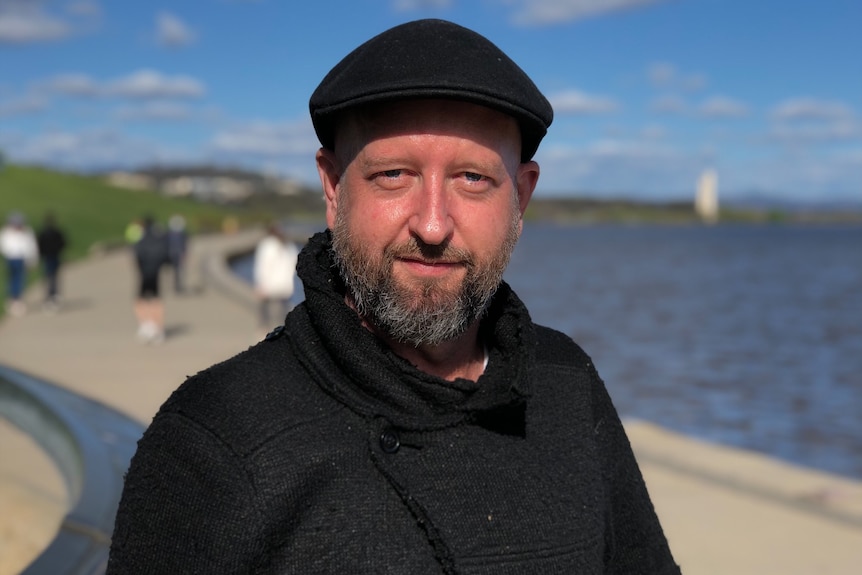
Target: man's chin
x,y
423,289
425,299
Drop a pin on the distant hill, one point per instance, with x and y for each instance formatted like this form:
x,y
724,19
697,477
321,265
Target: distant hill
x,y
94,213
766,202
593,210
282,198
580,210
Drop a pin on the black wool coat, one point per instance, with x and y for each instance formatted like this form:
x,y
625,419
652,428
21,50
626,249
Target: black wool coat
x,y
320,451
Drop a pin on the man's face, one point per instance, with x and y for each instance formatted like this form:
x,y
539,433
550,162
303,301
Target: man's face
x,y
425,214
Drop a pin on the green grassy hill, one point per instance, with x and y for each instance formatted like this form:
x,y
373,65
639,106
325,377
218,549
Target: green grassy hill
x,y
93,212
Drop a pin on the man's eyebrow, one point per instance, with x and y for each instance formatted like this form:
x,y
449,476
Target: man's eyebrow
x,y
371,162
480,166
494,170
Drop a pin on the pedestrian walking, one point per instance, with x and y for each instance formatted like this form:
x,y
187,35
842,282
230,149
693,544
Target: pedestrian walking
x,y
177,247
18,247
52,242
274,271
151,253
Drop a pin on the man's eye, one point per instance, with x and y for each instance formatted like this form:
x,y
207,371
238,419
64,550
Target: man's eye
x,y
474,177
391,173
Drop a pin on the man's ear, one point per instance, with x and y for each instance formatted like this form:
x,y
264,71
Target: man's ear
x,y
330,175
527,177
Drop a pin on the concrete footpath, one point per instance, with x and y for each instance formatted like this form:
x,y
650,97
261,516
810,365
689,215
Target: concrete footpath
x,y
725,511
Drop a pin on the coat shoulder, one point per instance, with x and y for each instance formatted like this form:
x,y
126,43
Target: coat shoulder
x,y
555,347
252,397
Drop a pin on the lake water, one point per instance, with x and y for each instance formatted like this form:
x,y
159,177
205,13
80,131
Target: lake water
x,y
749,336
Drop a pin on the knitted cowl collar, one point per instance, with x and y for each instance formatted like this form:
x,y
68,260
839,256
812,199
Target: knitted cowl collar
x,y
358,369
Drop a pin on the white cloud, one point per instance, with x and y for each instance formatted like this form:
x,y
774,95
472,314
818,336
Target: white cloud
x,y
284,147
153,84
143,84
805,175
411,5
653,132
540,12
664,75
652,164
812,109
837,130
84,7
630,149
577,102
154,111
25,105
267,139
74,84
172,32
94,149
23,21
669,104
851,158
723,107
694,82
632,168
661,74
808,121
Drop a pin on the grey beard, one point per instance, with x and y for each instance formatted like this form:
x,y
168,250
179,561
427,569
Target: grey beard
x,y
436,316
430,323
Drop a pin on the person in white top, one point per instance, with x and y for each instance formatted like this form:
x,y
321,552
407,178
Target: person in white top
x,y
274,271
19,248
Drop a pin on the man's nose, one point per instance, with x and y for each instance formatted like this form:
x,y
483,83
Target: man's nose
x,y
432,220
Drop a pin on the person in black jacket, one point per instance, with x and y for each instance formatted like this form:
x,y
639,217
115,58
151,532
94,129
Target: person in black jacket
x,y
151,253
408,417
178,243
51,241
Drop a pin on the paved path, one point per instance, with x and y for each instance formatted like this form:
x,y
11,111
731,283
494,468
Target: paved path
x,y
725,511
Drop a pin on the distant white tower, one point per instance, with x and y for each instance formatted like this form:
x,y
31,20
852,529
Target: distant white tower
x,y
706,199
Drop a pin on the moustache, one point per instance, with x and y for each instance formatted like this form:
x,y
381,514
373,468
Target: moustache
x,y
442,253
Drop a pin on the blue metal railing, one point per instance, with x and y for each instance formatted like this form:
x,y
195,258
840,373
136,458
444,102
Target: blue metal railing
x,y
91,444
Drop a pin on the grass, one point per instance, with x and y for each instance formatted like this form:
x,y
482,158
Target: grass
x,y
91,212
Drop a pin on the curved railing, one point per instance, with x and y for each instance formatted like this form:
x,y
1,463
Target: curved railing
x,y
91,445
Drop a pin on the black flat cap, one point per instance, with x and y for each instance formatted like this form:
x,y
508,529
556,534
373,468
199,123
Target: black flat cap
x,y
431,59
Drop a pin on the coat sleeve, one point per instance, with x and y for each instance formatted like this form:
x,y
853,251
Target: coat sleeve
x,y
187,506
636,543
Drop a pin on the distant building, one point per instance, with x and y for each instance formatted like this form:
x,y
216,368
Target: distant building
x,y
221,189
131,181
207,183
706,198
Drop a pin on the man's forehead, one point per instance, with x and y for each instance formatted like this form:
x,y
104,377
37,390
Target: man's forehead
x,y
450,118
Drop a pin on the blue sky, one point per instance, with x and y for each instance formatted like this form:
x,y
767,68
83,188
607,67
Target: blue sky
x,y
647,93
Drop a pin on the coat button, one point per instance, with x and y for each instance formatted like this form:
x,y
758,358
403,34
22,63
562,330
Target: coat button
x,y
389,441
275,334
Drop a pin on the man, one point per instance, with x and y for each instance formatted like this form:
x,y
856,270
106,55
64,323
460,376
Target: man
x,y
408,417
178,240
151,253
51,241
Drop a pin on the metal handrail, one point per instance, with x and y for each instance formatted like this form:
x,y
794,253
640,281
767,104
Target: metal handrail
x,y
92,445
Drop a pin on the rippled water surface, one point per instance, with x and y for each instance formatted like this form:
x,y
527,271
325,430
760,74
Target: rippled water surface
x,y
749,336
